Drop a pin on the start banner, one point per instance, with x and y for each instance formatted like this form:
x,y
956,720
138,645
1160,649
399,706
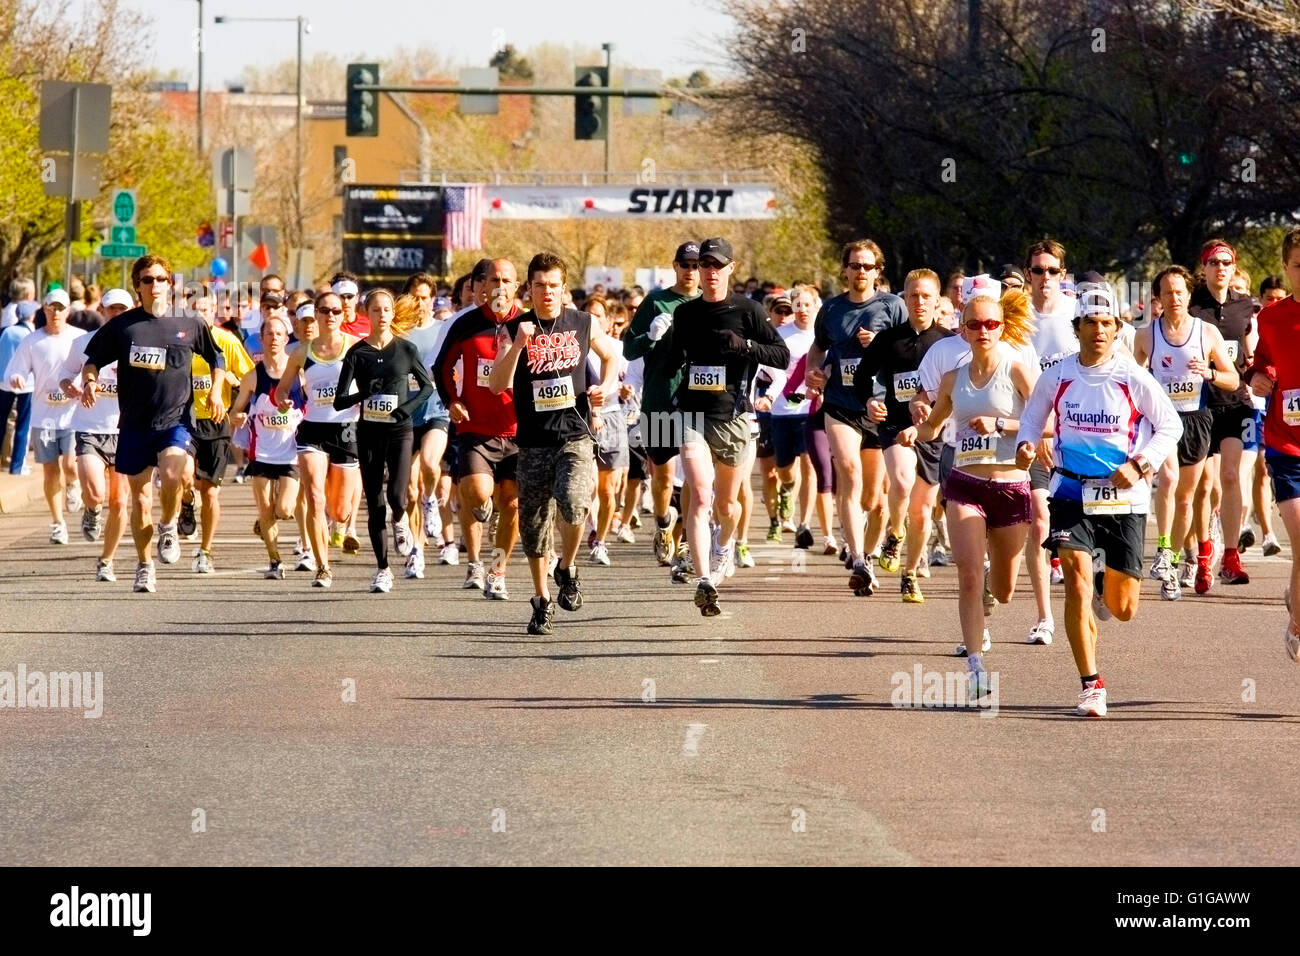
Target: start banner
x,y
734,201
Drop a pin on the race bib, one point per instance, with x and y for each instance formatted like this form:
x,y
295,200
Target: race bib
x,y
412,384
1230,347
323,394
906,385
484,371
108,388
1046,362
975,449
202,383
147,357
56,397
848,371
1102,497
379,408
708,378
552,394
276,420
1291,406
1185,393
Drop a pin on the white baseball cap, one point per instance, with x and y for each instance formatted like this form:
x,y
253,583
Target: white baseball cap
x,y
117,297
344,287
57,295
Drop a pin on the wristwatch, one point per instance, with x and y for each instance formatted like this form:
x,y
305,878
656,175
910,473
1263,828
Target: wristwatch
x,y
1000,425
1142,464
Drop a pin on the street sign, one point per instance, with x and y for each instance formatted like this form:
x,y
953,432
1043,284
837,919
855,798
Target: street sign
x,y
89,169
125,207
472,77
119,251
75,113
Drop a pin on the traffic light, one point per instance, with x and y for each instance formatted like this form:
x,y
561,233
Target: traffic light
x,y
590,113
363,105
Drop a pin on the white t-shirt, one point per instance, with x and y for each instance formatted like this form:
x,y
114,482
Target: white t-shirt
x,y
1054,336
43,356
798,341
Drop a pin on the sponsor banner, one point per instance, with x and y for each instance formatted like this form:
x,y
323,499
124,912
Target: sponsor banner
x,y
393,210
735,201
386,261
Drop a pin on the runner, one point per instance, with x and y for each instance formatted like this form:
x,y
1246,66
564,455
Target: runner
x,y
326,439
1271,289
1275,373
719,339
391,384
894,356
1220,497
356,323
154,352
487,458
96,447
41,356
610,422
649,338
553,403
988,499
1114,426
844,327
211,429
1179,348
272,447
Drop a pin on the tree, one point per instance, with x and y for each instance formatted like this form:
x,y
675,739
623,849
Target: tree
x,y
510,64
1111,124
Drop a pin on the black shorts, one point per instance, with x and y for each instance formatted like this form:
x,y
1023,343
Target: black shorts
x,y
419,431
1194,446
483,455
661,433
765,448
212,454
261,469
946,459
869,430
99,444
638,464
1040,476
928,453
1230,421
789,439
338,440
1118,537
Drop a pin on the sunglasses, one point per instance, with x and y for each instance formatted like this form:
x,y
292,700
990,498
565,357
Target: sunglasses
x,y
1221,263
1049,270
710,264
323,311
864,266
988,325
689,266
148,280
783,311
347,295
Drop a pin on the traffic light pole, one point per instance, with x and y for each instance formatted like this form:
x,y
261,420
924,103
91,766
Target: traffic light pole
x,y
609,115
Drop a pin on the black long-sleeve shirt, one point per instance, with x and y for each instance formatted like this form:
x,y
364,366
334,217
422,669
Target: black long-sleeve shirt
x,y
895,356
719,365
384,380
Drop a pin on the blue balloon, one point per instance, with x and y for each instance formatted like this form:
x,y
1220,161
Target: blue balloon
x,y
218,267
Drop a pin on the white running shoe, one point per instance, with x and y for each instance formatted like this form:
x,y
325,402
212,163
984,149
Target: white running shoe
x,y
721,566
1171,588
104,570
449,554
1187,573
1041,633
72,498
625,534
275,572
303,561
984,645
1092,702
496,587
415,564
144,579
402,535
939,556
202,563
59,533
169,545
475,576
383,582
600,554
1162,565
432,518
978,680
1055,575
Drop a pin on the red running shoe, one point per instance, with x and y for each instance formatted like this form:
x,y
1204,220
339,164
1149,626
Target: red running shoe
x,y
1232,572
1204,576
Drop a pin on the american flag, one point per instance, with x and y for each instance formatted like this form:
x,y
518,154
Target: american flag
x,y
463,212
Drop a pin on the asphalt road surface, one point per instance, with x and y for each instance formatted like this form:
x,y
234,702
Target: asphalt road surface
x,y
638,733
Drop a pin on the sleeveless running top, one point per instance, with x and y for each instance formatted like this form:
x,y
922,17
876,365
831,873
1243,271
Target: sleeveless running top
x,y
273,433
1169,366
322,380
997,399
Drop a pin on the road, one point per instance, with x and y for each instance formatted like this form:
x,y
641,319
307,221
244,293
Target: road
x,y
638,733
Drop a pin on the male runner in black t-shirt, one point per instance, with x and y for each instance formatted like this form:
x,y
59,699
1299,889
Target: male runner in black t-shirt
x,y
153,346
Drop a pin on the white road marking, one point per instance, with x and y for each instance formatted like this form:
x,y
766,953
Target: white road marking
x,y
709,660
691,745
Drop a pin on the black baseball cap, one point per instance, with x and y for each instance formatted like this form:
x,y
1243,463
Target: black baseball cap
x,y
688,252
1009,270
719,249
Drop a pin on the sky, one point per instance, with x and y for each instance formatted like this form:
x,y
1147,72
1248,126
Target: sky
x,y
672,35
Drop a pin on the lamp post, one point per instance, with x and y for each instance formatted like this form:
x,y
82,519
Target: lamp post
x,y
609,113
304,27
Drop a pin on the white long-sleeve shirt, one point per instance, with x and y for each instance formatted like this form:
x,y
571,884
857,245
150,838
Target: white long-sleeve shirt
x,y
1105,415
42,356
